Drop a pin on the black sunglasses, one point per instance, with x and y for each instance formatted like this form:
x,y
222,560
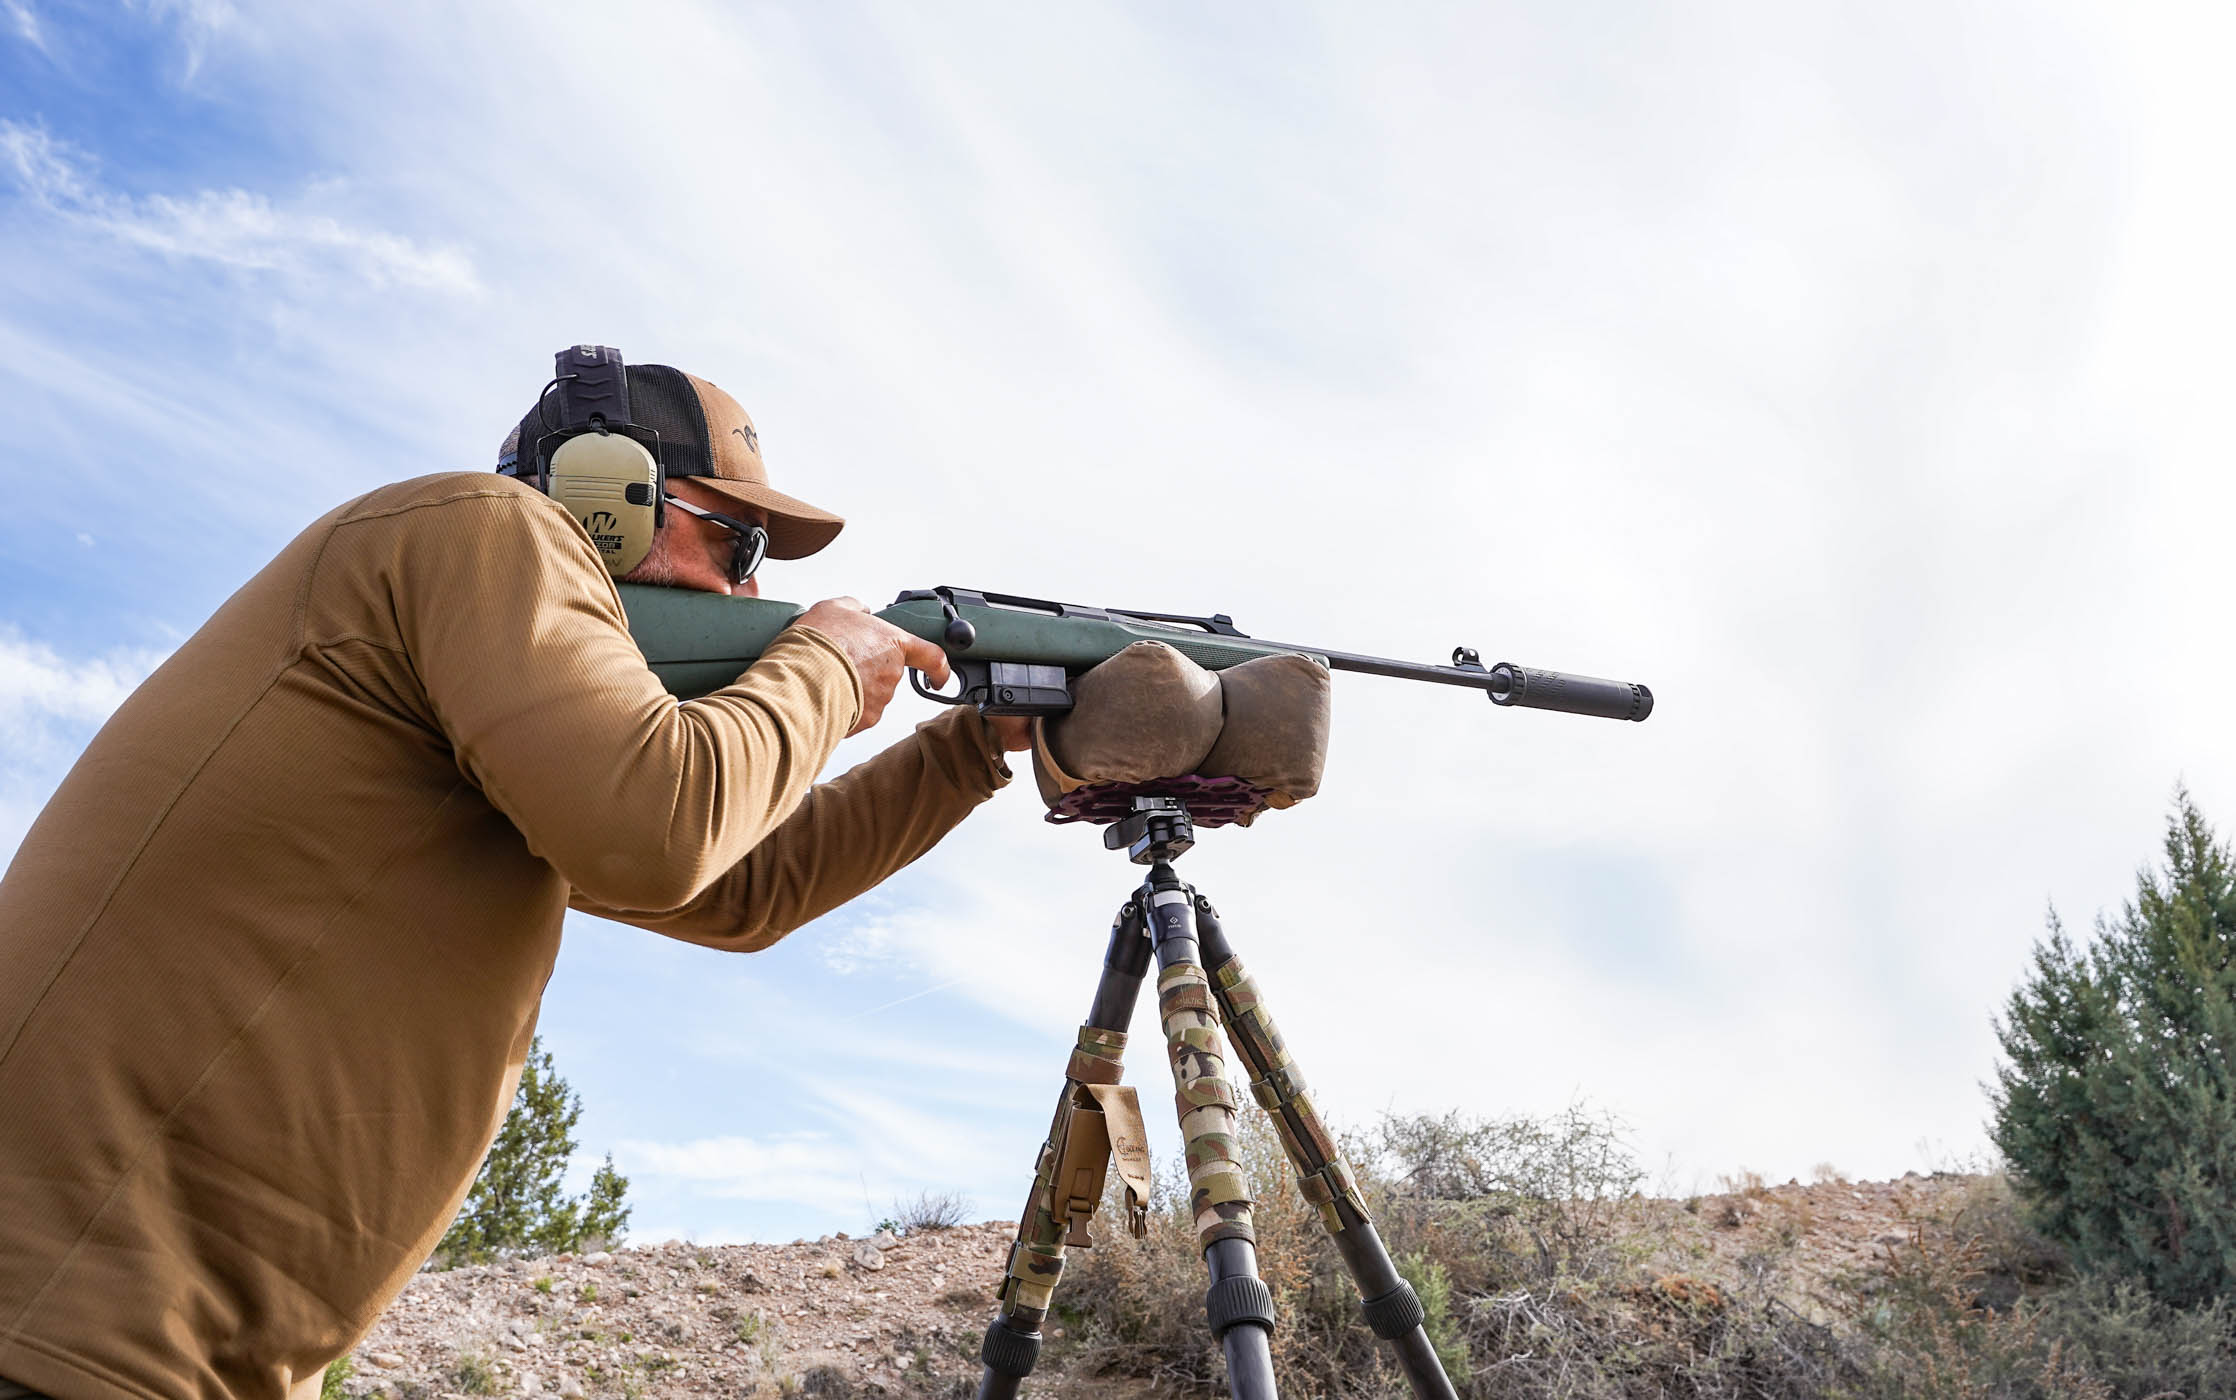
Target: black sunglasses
x,y
749,547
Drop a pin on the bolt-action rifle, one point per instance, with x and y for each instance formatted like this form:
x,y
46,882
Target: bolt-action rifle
x,y
1017,656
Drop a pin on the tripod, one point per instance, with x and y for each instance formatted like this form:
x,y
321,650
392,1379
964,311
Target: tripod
x,y
1201,986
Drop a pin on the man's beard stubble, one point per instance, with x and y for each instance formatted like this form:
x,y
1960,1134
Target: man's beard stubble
x,y
658,565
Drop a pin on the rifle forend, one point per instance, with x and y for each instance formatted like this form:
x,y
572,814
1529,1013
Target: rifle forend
x,y
1016,656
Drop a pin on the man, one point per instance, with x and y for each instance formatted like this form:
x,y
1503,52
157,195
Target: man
x,y
271,957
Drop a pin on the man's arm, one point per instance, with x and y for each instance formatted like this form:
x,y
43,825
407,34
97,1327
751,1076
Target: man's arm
x,y
517,638
845,837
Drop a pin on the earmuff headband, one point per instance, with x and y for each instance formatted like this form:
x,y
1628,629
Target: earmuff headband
x,y
593,388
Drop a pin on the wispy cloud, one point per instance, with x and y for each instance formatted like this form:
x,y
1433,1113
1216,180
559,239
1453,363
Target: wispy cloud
x,y
878,1145
805,1168
50,704
41,691
25,21
232,228
200,23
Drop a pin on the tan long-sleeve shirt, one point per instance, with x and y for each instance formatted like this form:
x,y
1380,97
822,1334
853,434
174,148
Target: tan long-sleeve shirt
x,y
270,958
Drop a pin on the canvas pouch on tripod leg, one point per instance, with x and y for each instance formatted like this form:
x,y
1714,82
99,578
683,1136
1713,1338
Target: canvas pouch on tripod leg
x,y
1144,714
1277,710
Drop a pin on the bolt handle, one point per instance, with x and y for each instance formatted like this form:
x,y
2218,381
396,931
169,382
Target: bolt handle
x,y
958,634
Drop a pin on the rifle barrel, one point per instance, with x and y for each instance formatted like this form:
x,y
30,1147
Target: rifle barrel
x,y
1528,687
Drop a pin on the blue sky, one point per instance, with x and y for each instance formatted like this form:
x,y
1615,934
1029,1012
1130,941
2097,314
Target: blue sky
x,y
1851,374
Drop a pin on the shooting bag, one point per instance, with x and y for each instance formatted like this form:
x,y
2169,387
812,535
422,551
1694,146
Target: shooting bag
x,y
1149,721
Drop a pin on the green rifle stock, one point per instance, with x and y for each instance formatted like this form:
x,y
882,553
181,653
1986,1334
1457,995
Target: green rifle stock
x,y
1017,656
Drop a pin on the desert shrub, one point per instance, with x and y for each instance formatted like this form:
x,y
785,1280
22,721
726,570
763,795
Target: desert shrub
x,y
1924,1331
2116,1104
1532,1198
1575,1155
516,1204
1671,1336
1432,1283
2014,1259
2140,1347
337,1375
931,1211
475,1374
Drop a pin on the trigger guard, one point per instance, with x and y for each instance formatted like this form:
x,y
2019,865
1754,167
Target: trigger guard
x,y
916,683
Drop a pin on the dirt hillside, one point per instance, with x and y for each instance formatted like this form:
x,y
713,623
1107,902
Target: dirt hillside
x,y
903,1316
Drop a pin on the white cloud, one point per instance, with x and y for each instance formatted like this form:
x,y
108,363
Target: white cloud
x,y
200,23
26,22
232,228
803,1168
40,689
50,705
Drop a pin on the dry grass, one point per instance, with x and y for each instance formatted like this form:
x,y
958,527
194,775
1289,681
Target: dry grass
x,y
1546,1276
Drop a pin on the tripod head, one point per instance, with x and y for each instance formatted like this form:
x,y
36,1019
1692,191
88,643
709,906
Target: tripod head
x,y
1158,830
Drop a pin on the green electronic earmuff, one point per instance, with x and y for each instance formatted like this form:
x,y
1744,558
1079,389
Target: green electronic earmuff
x,y
611,472
602,467
613,486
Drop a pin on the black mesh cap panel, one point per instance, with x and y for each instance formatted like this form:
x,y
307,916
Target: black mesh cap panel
x,y
664,401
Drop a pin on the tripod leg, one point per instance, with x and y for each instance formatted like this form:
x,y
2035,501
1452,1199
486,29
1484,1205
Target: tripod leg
x,y
1067,1177
1238,1304
1326,1180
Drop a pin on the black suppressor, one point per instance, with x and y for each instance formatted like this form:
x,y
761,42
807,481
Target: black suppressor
x,y
1533,689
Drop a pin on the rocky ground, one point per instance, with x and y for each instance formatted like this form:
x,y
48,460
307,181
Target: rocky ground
x,y
903,1316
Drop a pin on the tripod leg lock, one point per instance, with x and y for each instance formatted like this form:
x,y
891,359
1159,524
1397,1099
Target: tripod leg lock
x,y
1236,1300
1394,1314
1009,1353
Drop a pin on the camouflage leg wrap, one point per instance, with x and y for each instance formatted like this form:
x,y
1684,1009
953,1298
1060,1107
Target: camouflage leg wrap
x,y
1217,1193
1323,1176
1036,1260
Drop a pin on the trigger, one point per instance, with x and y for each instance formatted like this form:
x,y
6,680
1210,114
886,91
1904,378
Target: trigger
x,y
916,682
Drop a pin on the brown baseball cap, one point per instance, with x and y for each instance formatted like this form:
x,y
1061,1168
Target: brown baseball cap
x,y
706,436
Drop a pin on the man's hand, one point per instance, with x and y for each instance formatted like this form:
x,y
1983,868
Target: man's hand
x,y
879,650
1013,732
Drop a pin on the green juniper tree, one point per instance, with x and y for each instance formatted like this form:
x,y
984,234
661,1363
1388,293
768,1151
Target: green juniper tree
x,y
2116,1105
516,1204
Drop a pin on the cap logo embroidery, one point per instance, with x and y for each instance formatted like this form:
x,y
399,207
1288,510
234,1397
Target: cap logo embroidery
x,y
752,443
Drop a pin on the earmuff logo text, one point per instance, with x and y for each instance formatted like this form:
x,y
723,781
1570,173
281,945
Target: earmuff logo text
x,y
605,531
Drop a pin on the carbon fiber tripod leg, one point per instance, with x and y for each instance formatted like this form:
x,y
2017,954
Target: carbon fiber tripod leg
x,y
1239,1305
1053,1212
1387,1300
